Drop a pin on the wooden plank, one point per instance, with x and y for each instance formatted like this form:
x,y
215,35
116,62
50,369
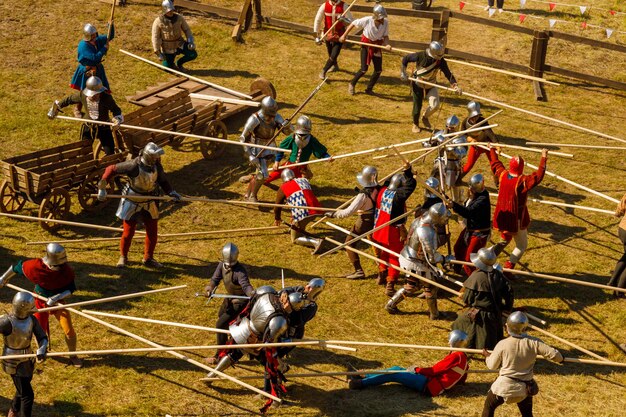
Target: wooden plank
x,y
490,22
151,107
219,11
156,89
45,152
393,11
290,25
485,60
586,41
585,77
62,164
65,156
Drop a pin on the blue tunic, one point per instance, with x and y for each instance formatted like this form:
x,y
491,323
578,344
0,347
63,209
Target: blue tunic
x,y
91,56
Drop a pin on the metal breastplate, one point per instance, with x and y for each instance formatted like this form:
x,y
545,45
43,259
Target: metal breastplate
x,y
20,337
145,181
261,313
231,287
264,131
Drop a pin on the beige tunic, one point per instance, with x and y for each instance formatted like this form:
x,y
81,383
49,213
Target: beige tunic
x,y
620,211
167,35
516,356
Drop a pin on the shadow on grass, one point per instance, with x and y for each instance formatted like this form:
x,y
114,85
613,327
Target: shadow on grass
x,y
58,408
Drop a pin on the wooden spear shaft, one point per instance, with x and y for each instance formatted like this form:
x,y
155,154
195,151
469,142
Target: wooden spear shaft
x,y
381,148
523,148
559,204
156,345
337,20
508,106
161,236
191,77
64,222
153,321
110,30
514,74
553,278
108,299
209,200
573,145
565,180
229,100
170,132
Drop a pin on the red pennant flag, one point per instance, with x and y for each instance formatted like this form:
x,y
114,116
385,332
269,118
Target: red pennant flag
x,y
583,25
522,17
612,12
461,5
552,6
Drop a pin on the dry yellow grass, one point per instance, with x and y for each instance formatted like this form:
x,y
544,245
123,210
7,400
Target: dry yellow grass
x,y
38,53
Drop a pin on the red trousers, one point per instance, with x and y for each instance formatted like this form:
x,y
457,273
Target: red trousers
x,y
274,175
395,244
151,236
468,243
472,156
63,316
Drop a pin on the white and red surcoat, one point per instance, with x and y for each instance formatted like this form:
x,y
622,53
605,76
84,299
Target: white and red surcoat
x,y
446,373
298,192
331,13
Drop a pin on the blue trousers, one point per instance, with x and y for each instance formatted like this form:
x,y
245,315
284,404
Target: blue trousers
x,y
408,379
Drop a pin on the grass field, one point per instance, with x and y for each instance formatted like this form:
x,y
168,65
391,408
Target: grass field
x,y
38,54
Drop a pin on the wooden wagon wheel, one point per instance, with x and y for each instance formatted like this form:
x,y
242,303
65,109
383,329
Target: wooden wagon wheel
x,y
266,87
10,201
89,187
215,129
56,205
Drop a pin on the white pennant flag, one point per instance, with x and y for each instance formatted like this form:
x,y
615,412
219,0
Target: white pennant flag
x,y
552,22
583,9
609,32
522,3
491,12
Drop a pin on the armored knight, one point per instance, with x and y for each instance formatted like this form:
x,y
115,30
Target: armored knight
x,y
449,165
260,130
264,320
145,178
420,256
18,328
297,192
452,124
236,283
54,279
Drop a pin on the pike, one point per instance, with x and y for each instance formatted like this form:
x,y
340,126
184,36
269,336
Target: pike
x,y
508,106
436,284
65,222
169,132
111,20
514,74
108,299
573,145
338,19
156,345
382,148
191,77
565,180
229,100
559,204
496,145
209,200
161,236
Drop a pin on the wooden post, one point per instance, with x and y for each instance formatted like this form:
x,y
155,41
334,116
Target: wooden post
x,y
236,35
537,61
442,30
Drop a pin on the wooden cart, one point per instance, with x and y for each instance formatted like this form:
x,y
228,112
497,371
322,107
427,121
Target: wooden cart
x,y
169,106
45,178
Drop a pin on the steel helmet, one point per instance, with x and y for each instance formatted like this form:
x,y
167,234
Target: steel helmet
x,y
473,109
316,286
93,86
368,177
379,12
168,6
453,123
516,323
23,304
265,289
435,50
303,125
269,107
287,175
484,259
432,182
439,214
296,300
88,31
230,254
477,183
55,255
457,339
397,181
516,166
459,151
151,154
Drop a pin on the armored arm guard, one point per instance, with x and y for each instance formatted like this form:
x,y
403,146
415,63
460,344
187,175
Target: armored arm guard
x,y
275,329
58,297
428,239
6,277
248,131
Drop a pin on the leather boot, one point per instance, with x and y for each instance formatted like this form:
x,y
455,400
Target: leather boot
x,y
432,308
382,277
390,288
71,347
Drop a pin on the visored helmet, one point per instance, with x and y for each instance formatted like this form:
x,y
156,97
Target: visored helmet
x,y
230,254
151,154
23,304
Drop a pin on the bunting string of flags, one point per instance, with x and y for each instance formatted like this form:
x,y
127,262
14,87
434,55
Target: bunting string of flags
x,y
551,22
583,9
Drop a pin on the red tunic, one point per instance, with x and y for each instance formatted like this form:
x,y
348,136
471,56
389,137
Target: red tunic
x,y
298,192
38,273
384,204
511,214
339,28
446,373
